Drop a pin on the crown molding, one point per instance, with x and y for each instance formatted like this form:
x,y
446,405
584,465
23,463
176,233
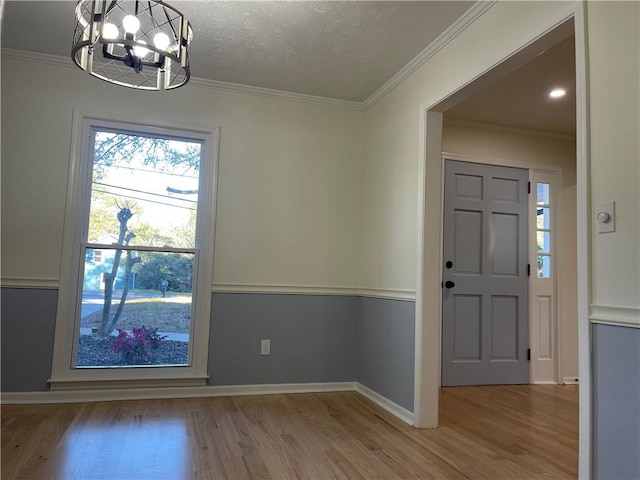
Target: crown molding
x,y
59,61
36,57
445,37
279,94
449,34
458,122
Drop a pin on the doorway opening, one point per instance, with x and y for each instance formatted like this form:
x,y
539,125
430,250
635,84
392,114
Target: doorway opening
x,y
429,306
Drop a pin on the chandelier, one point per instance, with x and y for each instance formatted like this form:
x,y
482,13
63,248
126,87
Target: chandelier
x,y
138,44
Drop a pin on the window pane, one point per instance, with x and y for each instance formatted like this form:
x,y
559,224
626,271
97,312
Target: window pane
x,y
155,179
543,220
544,266
544,242
543,194
147,319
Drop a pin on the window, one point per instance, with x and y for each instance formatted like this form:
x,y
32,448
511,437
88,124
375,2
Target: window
x,y
140,229
543,229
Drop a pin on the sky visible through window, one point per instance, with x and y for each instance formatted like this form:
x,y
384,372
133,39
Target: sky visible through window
x,y
156,178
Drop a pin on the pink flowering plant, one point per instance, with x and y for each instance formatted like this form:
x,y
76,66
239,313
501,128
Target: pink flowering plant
x,y
154,337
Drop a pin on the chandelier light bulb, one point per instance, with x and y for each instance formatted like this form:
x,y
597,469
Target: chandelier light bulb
x,y
131,24
141,51
161,41
110,31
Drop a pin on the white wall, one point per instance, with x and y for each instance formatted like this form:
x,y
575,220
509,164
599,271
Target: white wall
x,y
301,184
392,136
289,199
392,139
520,146
614,75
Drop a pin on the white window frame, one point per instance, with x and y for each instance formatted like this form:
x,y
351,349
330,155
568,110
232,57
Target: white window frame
x,y
545,368
64,374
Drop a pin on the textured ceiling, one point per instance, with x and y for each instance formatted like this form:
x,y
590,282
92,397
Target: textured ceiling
x,y
335,49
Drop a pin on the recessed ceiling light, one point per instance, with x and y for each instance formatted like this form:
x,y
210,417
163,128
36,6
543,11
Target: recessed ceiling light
x,y
557,93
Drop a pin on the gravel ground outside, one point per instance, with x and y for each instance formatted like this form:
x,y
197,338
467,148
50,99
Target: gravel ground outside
x,y
98,352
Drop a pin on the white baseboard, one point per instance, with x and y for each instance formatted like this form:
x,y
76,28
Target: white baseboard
x,y
76,396
383,402
102,395
570,381
544,382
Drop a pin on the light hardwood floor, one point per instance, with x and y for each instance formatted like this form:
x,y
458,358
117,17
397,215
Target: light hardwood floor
x,y
503,432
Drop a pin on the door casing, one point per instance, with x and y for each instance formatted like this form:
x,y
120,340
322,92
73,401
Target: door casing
x,y
428,335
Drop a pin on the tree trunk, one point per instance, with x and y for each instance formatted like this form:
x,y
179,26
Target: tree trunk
x,y
124,215
131,261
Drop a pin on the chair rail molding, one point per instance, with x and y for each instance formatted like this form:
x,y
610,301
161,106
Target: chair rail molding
x,y
32,283
621,316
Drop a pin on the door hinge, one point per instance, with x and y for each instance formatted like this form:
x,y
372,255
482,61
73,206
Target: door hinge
x,y
528,354
529,187
528,269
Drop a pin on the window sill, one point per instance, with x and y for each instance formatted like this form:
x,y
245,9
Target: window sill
x,y
124,383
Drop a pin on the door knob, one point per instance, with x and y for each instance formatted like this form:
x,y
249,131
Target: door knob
x,y
449,284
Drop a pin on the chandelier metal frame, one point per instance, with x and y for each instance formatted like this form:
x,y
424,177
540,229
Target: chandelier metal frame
x,y
144,45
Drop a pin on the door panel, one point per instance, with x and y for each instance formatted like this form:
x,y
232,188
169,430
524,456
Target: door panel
x,y
504,258
505,189
504,328
485,336
469,186
467,328
468,252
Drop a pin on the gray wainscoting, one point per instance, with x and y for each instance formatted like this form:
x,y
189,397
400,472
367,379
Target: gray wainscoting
x,y
386,345
616,395
28,323
313,338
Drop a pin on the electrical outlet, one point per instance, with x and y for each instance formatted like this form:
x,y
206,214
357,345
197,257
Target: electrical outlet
x,y
265,347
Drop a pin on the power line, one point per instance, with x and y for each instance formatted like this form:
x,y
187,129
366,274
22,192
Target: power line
x,y
145,193
151,171
144,199
182,192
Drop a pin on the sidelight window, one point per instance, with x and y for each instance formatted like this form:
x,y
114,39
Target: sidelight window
x,y
543,230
